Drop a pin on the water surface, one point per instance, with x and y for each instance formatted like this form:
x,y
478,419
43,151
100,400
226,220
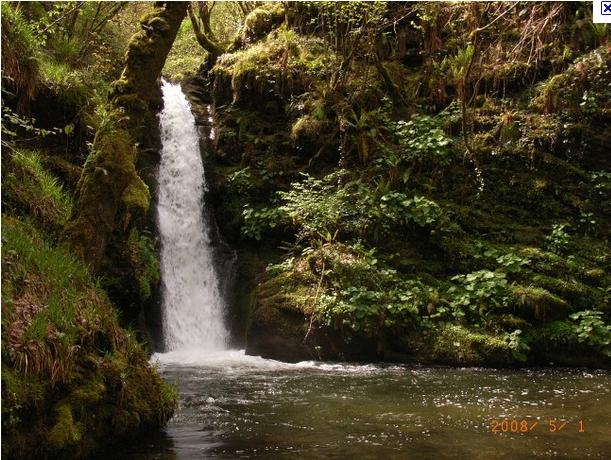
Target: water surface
x,y
235,406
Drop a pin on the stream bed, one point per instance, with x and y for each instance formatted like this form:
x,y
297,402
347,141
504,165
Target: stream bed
x,y
237,406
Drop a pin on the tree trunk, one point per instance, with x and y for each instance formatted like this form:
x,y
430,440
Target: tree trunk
x,y
110,194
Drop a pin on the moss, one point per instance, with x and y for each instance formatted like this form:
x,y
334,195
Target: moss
x,y
305,128
459,346
144,259
109,178
538,303
132,103
272,70
68,85
65,431
577,294
529,172
136,197
581,90
91,392
68,172
287,291
30,189
261,21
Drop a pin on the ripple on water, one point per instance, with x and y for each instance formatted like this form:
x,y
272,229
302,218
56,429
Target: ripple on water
x,y
234,406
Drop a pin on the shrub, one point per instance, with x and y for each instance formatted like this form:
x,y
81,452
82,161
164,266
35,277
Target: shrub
x,y
591,329
352,209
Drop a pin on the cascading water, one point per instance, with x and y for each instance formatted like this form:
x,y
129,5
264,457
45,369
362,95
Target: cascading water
x,y
191,302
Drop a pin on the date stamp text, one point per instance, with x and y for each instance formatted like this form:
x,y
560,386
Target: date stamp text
x,y
525,425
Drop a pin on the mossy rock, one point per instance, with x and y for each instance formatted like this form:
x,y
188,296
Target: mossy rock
x,y
289,336
136,197
459,346
261,21
278,334
67,367
538,303
66,432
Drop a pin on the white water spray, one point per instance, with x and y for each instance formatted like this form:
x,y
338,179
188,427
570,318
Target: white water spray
x,y
191,301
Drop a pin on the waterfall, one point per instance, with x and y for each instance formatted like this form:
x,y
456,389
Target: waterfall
x,y
191,302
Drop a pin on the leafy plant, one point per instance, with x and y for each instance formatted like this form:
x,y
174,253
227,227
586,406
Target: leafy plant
x,y
14,124
478,292
423,139
558,240
145,261
518,345
364,295
351,208
259,221
591,329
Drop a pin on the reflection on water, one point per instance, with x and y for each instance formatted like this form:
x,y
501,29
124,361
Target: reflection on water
x,y
235,406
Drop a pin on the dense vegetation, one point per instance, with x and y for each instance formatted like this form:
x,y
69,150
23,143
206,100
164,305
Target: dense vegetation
x,y
426,182
422,182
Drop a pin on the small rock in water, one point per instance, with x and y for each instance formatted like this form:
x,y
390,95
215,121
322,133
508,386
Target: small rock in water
x,y
210,400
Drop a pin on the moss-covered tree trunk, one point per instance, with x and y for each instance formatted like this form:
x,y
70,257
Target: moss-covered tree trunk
x,y
110,194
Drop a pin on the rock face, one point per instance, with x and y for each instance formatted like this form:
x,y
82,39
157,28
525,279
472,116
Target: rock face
x,y
279,335
286,335
82,383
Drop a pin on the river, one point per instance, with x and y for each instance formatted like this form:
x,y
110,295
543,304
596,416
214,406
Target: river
x,y
235,406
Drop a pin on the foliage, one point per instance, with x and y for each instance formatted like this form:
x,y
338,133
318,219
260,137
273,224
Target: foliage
x,y
422,140
354,291
186,56
21,53
478,292
418,144
348,26
455,343
519,347
72,378
60,47
15,126
144,260
276,67
582,90
592,329
558,240
258,221
354,209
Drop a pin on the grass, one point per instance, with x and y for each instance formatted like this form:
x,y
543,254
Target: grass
x,y
43,310
29,189
72,378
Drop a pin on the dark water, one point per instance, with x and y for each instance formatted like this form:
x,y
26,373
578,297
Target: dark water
x,y
233,406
